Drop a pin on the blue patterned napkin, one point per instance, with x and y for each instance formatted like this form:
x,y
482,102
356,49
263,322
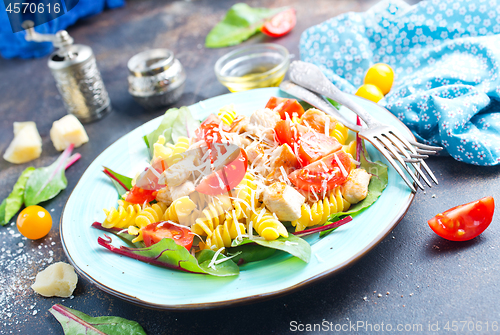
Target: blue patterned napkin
x,y
446,57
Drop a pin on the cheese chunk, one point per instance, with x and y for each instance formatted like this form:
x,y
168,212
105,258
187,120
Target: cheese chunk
x,y
68,130
284,201
26,145
57,280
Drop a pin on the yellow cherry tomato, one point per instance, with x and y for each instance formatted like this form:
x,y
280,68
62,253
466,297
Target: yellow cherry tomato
x,y
34,222
370,92
380,75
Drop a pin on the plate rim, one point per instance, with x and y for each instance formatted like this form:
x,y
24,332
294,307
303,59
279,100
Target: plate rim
x,y
249,298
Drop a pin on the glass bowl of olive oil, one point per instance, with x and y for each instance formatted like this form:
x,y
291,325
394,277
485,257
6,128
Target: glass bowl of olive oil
x,y
254,66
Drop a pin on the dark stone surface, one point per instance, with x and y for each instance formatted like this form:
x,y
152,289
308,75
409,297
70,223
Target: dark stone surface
x,y
423,279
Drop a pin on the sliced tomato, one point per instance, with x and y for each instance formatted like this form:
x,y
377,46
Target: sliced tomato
x,y
324,174
286,106
209,130
314,146
226,177
138,195
464,222
285,133
280,24
155,232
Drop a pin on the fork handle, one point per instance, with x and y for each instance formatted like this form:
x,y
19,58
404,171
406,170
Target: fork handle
x,y
318,102
311,77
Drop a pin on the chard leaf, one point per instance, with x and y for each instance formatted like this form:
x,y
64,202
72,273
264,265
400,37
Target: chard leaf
x,y
378,183
121,233
241,22
45,183
176,122
13,203
292,244
75,322
122,183
168,254
226,268
250,253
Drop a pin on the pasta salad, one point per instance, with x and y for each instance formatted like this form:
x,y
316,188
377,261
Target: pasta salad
x,y
234,188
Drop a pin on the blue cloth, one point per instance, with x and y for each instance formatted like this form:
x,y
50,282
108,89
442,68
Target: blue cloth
x,y
446,57
14,44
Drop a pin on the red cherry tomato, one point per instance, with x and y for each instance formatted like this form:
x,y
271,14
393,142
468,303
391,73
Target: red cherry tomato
x,y
138,195
288,106
280,24
324,174
155,232
314,146
227,177
209,129
285,133
464,222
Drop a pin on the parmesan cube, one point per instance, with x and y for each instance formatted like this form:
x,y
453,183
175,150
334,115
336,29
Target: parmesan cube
x,y
58,279
68,130
26,145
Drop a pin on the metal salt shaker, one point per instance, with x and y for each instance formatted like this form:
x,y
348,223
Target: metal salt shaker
x,y
77,76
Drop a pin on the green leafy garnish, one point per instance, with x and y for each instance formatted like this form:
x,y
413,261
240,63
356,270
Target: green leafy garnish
x,y
122,183
250,253
75,322
45,183
175,123
169,254
292,244
13,203
241,22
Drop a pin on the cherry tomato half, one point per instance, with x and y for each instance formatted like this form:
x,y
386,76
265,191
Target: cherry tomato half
x,y
464,222
314,146
209,129
285,133
288,106
324,174
155,232
380,75
138,195
280,24
34,222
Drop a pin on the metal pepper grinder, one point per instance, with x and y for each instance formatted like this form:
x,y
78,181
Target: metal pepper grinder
x,y
77,76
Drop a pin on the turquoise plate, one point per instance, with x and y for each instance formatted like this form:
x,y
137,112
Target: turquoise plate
x,y
161,288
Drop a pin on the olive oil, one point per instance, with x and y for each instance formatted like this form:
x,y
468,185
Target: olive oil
x,y
257,76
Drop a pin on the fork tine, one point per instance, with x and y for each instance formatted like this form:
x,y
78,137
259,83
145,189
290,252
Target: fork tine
x,y
397,143
425,146
390,147
411,148
425,152
387,155
412,155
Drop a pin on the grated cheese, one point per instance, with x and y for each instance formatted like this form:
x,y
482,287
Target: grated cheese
x,y
342,168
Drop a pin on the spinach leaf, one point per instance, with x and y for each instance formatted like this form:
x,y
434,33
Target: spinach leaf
x,y
250,253
292,244
241,22
45,183
121,233
378,183
176,122
226,268
122,183
169,254
13,203
75,322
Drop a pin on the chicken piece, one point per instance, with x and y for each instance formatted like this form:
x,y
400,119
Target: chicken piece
x,y
163,195
318,121
284,201
179,172
284,156
182,190
239,140
255,152
240,124
265,117
355,188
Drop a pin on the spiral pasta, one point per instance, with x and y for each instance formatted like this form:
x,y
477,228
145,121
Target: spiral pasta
x,y
179,148
318,213
267,225
340,133
212,216
160,150
148,215
227,114
243,201
121,217
180,211
223,234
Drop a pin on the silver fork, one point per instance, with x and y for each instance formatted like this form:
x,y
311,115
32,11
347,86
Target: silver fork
x,y
393,145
